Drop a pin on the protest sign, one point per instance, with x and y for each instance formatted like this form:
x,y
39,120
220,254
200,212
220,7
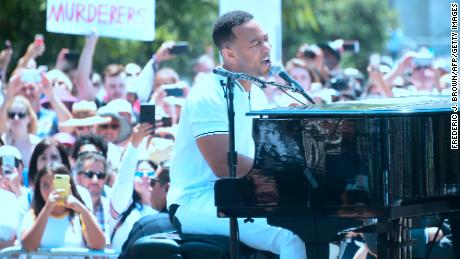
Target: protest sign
x,y
134,19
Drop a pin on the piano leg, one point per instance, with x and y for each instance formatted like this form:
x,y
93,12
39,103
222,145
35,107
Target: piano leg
x,y
316,233
454,220
393,239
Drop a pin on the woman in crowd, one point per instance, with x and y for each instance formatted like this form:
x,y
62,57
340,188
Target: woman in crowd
x,y
144,171
130,199
56,221
21,124
48,150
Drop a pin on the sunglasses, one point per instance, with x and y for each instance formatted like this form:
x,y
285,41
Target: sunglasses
x,y
148,173
84,128
421,67
84,153
91,174
112,126
20,115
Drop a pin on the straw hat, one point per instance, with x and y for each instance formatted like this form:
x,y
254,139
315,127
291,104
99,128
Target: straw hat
x,y
84,113
116,109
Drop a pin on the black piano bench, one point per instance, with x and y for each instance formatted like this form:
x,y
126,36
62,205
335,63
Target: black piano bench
x,y
151,247
190,246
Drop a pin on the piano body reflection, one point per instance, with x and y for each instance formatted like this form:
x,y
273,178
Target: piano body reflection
x,y
384,159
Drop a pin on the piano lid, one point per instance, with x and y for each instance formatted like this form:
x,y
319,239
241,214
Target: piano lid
x,y
402,106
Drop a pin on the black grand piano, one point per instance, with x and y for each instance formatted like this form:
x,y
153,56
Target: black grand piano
x,y
387,159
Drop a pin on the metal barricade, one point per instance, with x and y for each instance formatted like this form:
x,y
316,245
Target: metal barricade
x,y
15,251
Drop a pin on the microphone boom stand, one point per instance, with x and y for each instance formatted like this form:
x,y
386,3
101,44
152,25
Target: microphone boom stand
x,y
232,161
232,155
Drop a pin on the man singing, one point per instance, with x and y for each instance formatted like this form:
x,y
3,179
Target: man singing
x,y
202,140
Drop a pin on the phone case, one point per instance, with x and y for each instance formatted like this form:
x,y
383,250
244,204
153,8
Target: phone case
x,y
8,164
62,184
147,114
179,48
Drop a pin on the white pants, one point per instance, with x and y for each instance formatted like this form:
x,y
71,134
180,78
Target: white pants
x,y
198,215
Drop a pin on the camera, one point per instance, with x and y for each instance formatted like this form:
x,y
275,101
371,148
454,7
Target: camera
x,y
351,46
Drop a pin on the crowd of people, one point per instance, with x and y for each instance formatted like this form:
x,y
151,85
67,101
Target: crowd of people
x,y
73,121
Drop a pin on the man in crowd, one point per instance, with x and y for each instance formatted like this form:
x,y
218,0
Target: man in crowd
x,y
203,135
92,171
152,224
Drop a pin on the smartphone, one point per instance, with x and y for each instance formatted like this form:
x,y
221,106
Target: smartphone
x,y
30,76
147,114
422,61
179,48
72,55
176,90
39,40
351,45
166,121
8,44
62,185
374,61
8,164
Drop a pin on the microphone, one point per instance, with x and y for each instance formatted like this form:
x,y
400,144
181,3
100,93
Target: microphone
x,y
242,76
278,70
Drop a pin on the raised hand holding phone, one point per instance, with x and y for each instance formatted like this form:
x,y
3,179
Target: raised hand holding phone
x,y
147,113
179,48
38,46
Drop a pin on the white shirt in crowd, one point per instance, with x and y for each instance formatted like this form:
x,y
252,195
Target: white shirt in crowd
x,y
121,198
10,216
62,232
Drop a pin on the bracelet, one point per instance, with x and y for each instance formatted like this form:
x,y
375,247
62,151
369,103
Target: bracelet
x,y
155,64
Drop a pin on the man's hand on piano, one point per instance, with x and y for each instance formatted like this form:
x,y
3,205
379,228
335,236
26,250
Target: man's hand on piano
x,y
431,232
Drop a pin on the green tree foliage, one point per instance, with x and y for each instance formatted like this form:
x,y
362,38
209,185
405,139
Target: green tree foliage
x,y
311,21
320,21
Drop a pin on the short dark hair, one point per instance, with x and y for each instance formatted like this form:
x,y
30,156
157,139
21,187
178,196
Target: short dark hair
x,y
114,70
96,140
95,156
222,31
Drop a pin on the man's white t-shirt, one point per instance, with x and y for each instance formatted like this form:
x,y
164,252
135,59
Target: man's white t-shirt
x,y
205,113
